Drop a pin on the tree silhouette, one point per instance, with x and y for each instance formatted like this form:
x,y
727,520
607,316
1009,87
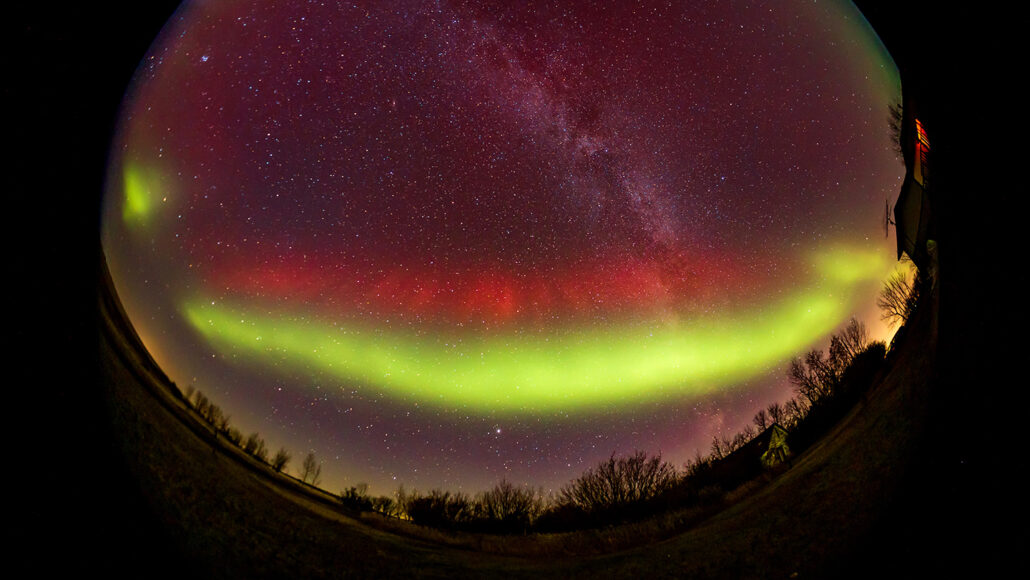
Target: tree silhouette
x,y
794,411
895,114
201,403
223,424
719,448
619,481
282,457
844,347
213,414
698,465
439,508
255,445
356,498
761,420
311,470
811,376
816,376
385,505
509,504
898,298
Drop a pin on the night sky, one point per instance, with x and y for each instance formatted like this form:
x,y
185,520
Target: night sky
x,y
439,244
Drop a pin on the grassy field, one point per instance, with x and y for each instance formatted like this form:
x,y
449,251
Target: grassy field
x,y
224,515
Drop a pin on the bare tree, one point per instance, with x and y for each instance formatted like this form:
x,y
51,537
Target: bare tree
x,y
402,498
619,481
761,420
255,445
213,414
251,442
698,464
385,505
776,413
509,503
356,498
850,342
718,448
749,433
844,347
201,403
809,375
794,412
895,115
439,508
282,457
739,440
898,298
311,470
816,376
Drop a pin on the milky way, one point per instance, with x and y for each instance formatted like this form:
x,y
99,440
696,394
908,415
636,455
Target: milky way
x,y
439,244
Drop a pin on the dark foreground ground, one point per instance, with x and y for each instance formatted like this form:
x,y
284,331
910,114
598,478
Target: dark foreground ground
x,y
918,482
220,517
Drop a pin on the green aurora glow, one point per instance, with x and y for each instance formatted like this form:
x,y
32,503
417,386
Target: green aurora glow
x,y
574,370
142,194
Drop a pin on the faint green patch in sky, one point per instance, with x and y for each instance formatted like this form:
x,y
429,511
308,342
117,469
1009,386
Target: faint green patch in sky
x,y
144,193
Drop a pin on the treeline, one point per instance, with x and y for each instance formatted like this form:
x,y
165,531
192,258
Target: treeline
x,y
619,489
310,470
624,489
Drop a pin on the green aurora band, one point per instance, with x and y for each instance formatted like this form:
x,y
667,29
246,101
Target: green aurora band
x,y
558,372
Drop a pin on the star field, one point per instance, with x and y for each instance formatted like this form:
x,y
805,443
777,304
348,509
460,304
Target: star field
x,y
443,243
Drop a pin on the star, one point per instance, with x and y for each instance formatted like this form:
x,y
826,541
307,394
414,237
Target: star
x,y
445,218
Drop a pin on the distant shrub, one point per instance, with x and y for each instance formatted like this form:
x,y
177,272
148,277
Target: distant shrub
x,y
356,498
282,457
213,414
385,505
619,482
698,466
440,509
311,470
201,403
508,508
255,445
